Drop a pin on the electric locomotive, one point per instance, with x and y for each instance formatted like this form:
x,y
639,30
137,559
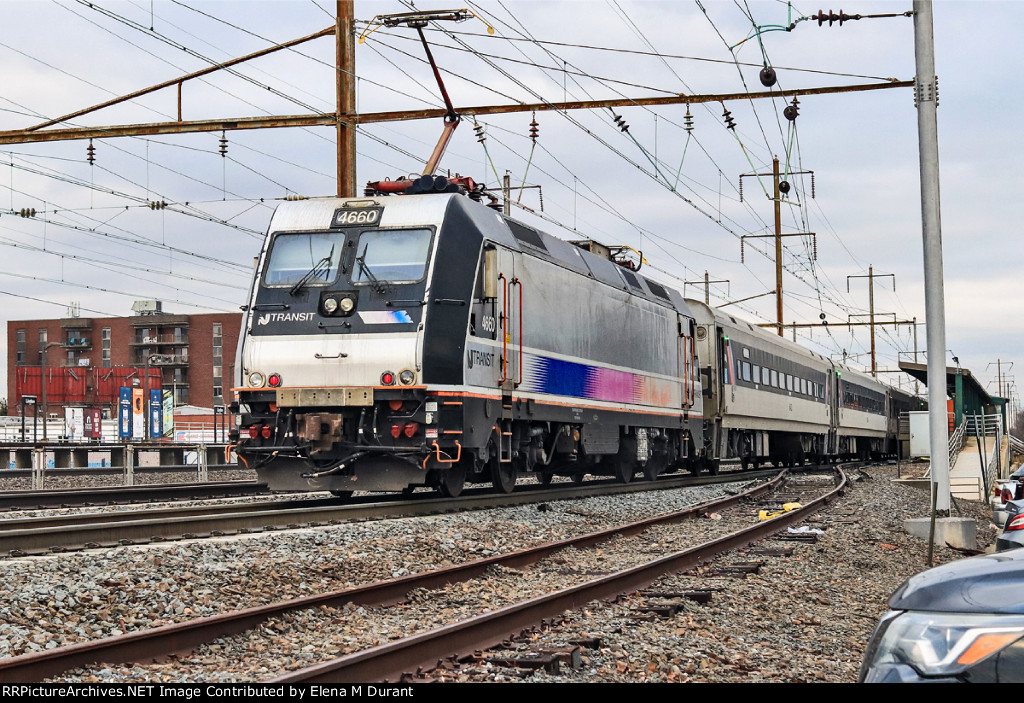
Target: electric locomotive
x,y
426,339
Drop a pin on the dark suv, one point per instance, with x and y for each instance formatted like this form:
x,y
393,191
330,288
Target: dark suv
x,y
962,621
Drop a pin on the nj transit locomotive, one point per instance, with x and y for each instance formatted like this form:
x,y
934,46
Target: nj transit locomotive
x,y
402,341
427,340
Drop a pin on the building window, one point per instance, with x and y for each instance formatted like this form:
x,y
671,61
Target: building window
x,y
218,363
105,351
42,345
21,347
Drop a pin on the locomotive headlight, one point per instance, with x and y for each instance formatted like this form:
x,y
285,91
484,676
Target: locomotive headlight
x,y
330,305
407,377
347,303
256,379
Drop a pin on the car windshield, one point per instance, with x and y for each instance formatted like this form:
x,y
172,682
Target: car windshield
x,y
295,256
391,255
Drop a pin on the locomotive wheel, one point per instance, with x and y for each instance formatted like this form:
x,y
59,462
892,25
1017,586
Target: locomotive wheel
x,y
344,495
654,466
624,470
451,482
503,475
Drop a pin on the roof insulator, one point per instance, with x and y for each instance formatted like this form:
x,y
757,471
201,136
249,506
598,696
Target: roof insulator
x,y
730,123
479,130
620,123
534,132
223,145
90,153
688,119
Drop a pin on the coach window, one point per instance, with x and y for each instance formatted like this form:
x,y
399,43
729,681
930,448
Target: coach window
x,y
766,375
745,370
775,378
757,373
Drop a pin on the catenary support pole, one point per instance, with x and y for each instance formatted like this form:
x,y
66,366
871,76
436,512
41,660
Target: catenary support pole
x,y
926,91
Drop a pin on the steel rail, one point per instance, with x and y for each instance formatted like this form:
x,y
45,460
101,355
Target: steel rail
x,y
390,662
68,497
34,536
158,642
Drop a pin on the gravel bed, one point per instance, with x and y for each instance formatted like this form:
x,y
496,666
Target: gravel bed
x,y
55,600
802,618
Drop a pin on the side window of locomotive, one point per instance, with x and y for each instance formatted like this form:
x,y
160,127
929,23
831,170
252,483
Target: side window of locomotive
x,y
483,321
294,256
396,255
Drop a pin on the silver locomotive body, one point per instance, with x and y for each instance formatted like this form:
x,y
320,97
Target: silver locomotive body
x,y
412,340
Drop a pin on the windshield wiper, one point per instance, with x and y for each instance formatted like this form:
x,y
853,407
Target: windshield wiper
x,y
365,268
321,266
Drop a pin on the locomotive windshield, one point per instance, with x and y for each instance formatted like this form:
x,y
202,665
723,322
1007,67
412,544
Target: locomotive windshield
x,y
310,255
391,255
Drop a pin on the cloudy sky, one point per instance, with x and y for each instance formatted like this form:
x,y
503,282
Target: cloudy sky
x,y
671,192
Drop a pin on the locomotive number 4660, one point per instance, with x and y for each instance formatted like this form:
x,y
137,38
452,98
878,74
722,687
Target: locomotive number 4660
x,y
352,217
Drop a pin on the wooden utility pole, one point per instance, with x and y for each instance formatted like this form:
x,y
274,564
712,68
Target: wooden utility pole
x,y
707,287
779,188
346,93
871,308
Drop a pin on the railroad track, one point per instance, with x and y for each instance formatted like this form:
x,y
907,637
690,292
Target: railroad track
x,y
413,657
123,495
35,536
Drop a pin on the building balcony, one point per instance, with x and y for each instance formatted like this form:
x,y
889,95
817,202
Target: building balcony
x,y
159,342
166,360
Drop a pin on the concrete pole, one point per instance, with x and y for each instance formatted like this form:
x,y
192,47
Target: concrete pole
x,y
934,295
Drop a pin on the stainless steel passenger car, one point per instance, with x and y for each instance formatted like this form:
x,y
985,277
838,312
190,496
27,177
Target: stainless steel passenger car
x,y
771,400
410,340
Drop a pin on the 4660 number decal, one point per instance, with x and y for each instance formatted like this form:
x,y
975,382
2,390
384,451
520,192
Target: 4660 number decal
x,y
354,217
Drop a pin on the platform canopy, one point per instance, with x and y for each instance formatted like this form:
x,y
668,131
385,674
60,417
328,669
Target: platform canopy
x,y
969,396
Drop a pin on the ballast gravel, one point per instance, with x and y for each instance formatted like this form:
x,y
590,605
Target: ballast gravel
x,y
805,617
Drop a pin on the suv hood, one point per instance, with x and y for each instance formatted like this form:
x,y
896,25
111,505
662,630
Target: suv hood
x,y
991,583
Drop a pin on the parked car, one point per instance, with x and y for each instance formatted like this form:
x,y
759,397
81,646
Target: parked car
x,y
1006,490
959,622
1013,528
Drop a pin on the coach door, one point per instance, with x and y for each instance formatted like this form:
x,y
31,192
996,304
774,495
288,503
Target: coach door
x,y
687,362
507,290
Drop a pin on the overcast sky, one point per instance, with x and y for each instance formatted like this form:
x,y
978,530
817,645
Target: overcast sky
x,y
669,192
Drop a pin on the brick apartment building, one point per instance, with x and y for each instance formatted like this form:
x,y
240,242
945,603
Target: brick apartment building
x,y
87,360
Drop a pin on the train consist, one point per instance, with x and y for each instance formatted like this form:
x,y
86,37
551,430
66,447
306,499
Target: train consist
x,y
425,339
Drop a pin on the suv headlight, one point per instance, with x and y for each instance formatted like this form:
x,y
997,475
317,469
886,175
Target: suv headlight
x,y
942,644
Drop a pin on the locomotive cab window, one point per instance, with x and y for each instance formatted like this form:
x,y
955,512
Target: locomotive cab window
x,y
396,255
312,256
